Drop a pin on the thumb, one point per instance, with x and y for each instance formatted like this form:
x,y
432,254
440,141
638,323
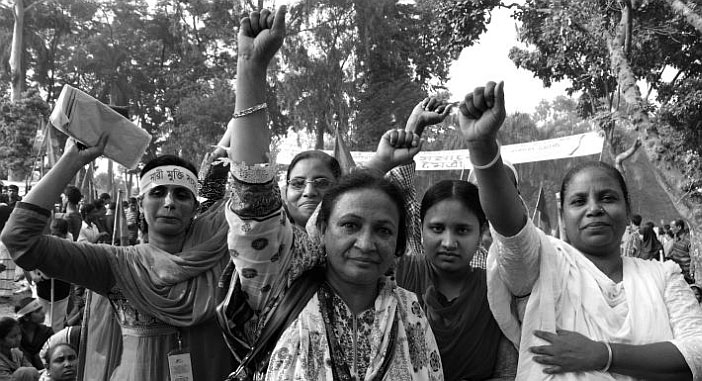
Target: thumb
x,y
413,151
500,96
279,21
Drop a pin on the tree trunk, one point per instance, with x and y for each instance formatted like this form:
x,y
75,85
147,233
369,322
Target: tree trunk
x,y
627,81
667,175
16,72
319,135
684,10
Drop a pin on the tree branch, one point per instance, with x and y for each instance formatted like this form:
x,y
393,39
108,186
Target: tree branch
x,y
686,11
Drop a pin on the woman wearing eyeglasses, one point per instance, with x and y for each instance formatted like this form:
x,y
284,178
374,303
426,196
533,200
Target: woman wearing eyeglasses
x,y
309,175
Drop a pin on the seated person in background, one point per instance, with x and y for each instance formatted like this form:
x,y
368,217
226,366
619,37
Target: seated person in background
x,y
61,363
70,335
14,365
30,315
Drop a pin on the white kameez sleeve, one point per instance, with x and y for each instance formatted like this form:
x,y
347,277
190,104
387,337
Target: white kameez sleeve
x,y
685,319
518,258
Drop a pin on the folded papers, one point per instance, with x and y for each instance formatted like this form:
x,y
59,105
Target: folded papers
x,y
84,118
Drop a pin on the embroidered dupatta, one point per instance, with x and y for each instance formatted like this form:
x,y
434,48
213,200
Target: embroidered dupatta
x,y
303,352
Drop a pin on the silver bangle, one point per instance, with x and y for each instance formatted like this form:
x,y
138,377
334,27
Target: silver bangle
x,y
250,110
609,357
492,162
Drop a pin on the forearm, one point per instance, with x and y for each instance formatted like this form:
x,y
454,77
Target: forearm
x,y
661,361
498,195
45,193
249,134
83,264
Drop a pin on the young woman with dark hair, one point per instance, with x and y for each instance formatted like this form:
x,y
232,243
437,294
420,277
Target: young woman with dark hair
x,y
13,363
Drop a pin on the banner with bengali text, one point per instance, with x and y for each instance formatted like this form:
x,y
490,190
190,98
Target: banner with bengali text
x,y
586,144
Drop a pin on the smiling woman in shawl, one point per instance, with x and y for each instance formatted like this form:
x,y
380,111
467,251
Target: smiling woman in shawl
x,y
163,292
354,322
590,314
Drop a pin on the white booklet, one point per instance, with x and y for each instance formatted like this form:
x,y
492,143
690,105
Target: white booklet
x,y
84,118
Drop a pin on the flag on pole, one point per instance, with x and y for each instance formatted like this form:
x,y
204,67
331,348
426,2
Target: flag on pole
x,y
120,234
541,218
342,153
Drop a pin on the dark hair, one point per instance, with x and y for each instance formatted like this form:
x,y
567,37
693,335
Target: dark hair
x,y
99,203
167,160
13,187
104,196
73,194
360,180
53,348
328,160
86,209
636,219
112,205
59,227
464,192
21,304
608,169
6,325
680,224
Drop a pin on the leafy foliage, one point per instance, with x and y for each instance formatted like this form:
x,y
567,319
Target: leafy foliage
x,y
370,62
18,127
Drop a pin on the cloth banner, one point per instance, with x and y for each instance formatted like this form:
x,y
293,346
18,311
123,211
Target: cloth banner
x,y
589,143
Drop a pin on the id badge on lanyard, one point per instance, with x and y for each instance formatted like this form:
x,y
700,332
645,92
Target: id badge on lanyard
x,y
180,365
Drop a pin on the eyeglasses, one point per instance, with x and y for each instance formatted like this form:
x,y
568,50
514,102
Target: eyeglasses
x,y
299,183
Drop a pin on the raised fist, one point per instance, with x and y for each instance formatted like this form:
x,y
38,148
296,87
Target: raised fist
x,y
261,34
482,112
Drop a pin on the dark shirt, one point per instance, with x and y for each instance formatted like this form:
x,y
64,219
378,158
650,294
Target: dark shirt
x,y
5,211
61,289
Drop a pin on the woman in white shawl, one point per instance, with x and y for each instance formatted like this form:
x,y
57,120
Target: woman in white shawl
x,y
590,313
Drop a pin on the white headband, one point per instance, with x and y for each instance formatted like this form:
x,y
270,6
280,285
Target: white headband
x,y
28,309
168,175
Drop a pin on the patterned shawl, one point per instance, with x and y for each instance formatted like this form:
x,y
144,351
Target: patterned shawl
x,y
303,352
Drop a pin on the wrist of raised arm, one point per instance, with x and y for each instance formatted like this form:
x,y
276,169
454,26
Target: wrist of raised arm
x,y
250,68
483,151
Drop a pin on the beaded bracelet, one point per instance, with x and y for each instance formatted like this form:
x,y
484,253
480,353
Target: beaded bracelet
x,y
609,357
492,162
250,110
